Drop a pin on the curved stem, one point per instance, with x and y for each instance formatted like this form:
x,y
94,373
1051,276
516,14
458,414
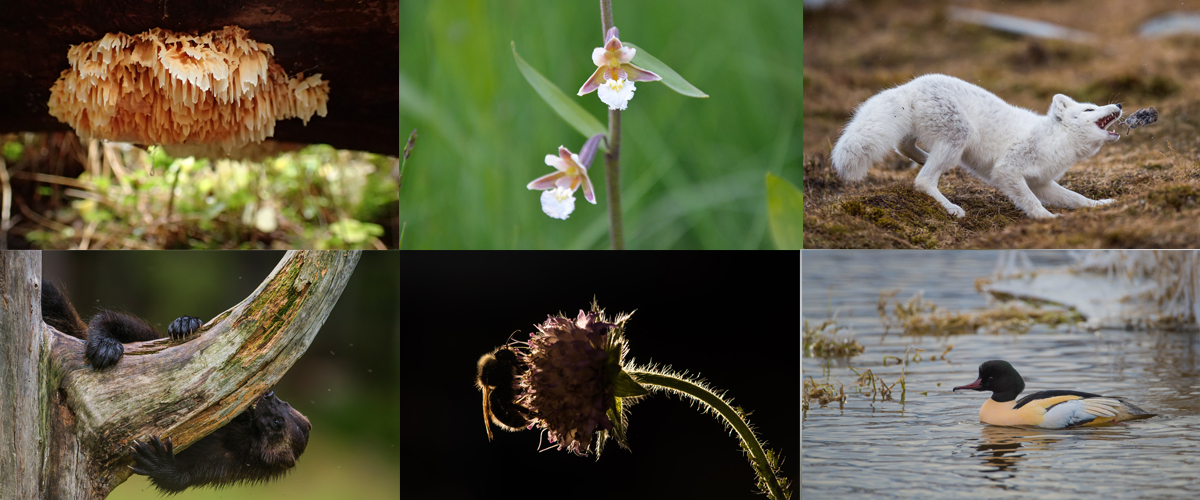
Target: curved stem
x,y
663,381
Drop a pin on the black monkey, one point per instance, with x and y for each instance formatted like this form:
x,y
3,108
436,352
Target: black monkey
x,y
107,330
258,445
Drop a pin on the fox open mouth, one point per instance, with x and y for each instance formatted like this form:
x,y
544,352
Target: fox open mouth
x,y
1104,122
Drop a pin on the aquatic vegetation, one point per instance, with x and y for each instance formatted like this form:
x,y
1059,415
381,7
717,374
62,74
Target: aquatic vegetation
x,y
823,393
822,341
867,385
918,316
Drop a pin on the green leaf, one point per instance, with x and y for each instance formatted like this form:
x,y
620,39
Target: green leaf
x,y
568,109
643,59
785,210
625,386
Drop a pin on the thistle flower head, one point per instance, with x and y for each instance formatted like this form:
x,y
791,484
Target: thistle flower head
x,y
573,383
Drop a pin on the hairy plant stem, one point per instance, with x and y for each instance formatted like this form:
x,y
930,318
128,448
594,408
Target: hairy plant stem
x,y
605,17
612,159
654,380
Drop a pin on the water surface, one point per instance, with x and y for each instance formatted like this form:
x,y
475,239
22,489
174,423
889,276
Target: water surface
x,y
932,445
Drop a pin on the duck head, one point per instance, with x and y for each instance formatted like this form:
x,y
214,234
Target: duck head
x,y
1000,378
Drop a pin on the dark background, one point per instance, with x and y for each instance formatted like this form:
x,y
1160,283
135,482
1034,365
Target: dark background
x,y
732,317
346,383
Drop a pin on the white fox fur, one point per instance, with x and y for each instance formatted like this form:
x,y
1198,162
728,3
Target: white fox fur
x,y
1020,152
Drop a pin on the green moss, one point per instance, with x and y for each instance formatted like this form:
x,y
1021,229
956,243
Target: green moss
x,y
1178,197
1130,84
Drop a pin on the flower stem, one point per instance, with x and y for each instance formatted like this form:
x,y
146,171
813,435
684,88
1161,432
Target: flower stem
x,y
612,177
765,466
605,18
612,159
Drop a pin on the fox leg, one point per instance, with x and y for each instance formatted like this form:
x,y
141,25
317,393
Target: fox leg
x,y
908,148
942,157
1009,181
1051,193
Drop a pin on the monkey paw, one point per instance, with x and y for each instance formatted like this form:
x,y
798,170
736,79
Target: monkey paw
x,y
184,326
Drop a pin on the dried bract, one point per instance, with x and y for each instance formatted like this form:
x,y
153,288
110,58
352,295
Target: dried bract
x,y
161,87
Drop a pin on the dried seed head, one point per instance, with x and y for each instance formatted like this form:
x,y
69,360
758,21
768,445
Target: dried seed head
x,y
567,385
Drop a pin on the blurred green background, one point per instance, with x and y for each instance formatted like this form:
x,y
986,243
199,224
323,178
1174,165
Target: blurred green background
x,y
693,170
347,383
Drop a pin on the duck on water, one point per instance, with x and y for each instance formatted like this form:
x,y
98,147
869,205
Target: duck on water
x,y
1046,409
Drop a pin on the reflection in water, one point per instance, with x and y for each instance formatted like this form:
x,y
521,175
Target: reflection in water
x,y
933,445
998,448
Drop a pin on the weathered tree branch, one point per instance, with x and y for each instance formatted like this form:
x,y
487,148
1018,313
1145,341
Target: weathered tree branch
x,y
178,389
24,388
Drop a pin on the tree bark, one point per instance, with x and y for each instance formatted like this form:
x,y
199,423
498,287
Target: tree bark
x,y
184,390
24,387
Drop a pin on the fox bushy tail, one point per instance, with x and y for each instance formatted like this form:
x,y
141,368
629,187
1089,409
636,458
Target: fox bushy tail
x,y
876,129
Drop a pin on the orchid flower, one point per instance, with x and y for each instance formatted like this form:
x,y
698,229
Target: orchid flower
x,y
558,203
615,73
557,200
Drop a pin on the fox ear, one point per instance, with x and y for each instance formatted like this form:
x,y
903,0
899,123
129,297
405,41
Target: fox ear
x,y
1058,107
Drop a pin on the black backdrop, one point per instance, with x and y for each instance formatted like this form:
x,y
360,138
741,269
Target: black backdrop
x,y
732,317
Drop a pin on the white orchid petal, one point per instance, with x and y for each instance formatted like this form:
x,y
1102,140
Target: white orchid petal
x,y
558,203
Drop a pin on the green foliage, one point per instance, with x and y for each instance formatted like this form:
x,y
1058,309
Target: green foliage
x,y
13,150
785,205
569,110
670,78
318,197
692,169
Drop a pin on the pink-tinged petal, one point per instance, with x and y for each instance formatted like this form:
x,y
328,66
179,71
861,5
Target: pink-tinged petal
x,y
587,189
565,154
625,54
619,74
545,182
637,74
557,163
612,33
599,56
613,44
594,82
566,182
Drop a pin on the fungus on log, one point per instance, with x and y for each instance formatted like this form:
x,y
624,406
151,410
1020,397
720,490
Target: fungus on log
x,y
219,89
354,45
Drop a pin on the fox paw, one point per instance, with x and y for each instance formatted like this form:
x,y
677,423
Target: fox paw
x,y
1098,203
956,210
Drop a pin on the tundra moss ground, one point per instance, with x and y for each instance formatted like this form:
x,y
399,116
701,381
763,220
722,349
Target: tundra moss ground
x,y
1153,173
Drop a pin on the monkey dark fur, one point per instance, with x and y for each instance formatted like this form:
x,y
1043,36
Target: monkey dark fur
x,y
260,444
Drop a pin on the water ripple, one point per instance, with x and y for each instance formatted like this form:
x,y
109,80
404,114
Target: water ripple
x,y
932,445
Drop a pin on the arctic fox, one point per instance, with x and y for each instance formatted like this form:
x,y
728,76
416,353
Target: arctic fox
x,y
1020,152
